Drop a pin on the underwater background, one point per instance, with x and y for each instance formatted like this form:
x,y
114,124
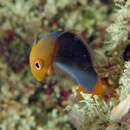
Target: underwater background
x,y
26,104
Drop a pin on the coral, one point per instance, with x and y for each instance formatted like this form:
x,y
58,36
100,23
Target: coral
x,y
78,15
124,88
28,104
95,113
22,120
19,96
118,31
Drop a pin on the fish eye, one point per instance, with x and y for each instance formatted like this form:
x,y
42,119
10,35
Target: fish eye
x,y
38,64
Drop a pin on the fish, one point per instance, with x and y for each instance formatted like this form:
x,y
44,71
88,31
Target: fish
x,y
71,54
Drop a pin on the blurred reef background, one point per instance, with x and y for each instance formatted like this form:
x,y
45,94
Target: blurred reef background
x,y
26,104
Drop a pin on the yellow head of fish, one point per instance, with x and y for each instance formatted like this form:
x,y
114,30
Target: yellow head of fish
x,y
41,58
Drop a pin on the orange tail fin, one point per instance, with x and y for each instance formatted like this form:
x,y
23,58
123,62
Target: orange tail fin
x,y
99,90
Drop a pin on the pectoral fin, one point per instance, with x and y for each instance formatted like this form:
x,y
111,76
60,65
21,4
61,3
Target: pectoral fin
x,y
49,70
